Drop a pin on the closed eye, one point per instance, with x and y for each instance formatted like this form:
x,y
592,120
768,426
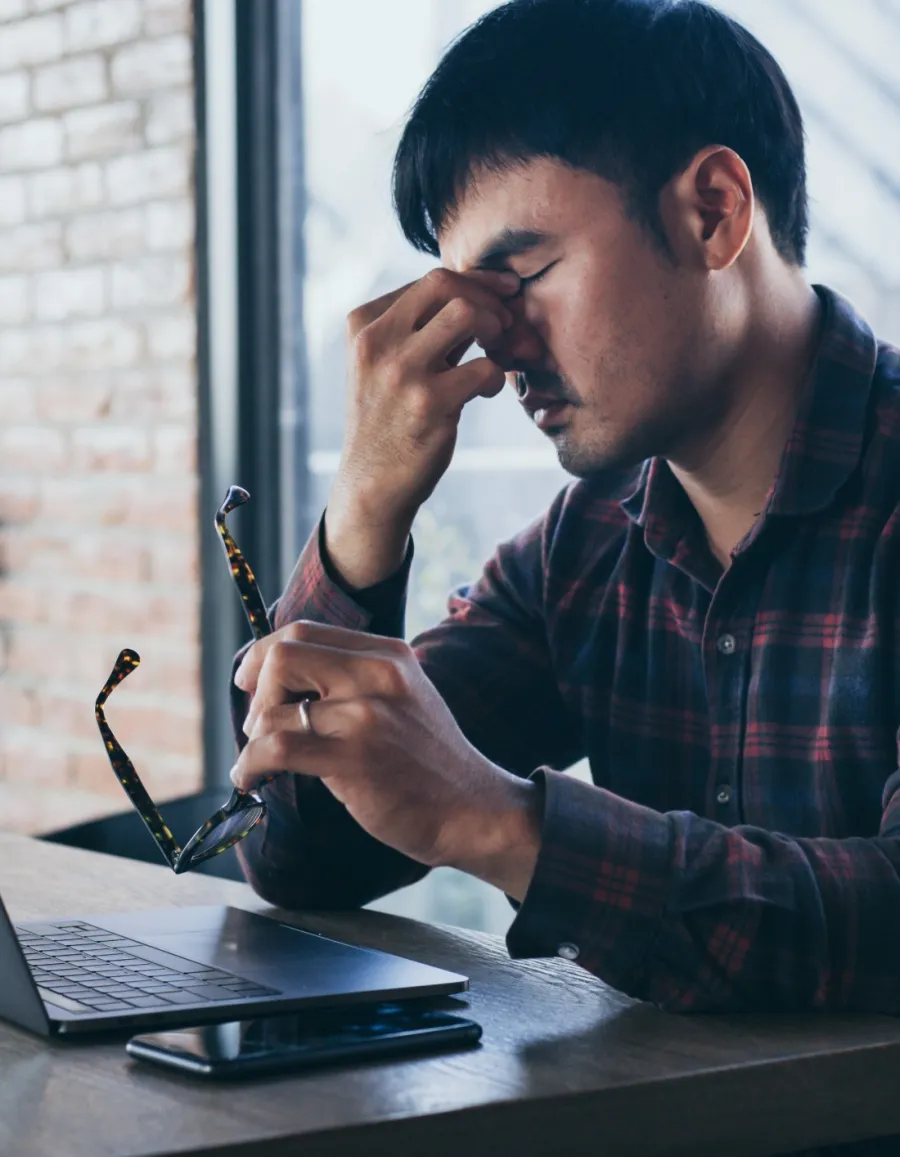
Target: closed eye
x,y
535,277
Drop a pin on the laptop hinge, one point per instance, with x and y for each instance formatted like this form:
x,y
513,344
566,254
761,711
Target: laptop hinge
x,y
20,1001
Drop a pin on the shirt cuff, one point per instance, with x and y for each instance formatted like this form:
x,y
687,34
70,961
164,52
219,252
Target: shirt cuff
x,y
314,591
600,886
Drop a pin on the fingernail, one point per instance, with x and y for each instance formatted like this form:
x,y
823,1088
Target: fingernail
x,y
239,677
233,775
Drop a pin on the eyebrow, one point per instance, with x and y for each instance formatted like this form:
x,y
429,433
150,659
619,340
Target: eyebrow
x,y
509,243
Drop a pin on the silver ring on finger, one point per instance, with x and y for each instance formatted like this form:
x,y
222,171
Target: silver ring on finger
x,y
305,721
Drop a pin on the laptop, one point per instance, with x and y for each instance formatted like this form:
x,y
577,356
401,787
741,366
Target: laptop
x,y
185,966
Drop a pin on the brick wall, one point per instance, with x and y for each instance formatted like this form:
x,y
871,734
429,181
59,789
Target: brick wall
x,y
98,526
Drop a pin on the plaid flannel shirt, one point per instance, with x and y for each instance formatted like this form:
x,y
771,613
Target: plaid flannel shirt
x,y
740,845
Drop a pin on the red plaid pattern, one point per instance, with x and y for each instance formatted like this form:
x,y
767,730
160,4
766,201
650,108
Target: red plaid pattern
x,y
740,846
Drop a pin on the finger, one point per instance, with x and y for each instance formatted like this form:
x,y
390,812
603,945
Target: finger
x,y
328,718
424,300
452,331
478,378
286,750
497,283
304,630
293,670
364,315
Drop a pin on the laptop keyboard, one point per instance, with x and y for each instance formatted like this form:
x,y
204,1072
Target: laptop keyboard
x,y
82,968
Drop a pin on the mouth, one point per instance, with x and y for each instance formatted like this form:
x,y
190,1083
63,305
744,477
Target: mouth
x,y
551,417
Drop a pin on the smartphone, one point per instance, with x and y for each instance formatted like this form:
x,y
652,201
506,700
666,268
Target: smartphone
x,y
301,1040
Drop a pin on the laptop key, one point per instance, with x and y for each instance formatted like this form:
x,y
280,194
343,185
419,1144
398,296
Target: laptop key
x,y
139,1001
167,959
210,992
111,1006
61,1000
180,996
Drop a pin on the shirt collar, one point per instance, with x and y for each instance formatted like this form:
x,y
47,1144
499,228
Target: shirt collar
x,y
826,441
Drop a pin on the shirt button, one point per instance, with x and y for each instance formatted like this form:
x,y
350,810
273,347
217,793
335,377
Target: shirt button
x,y
568,951
726,644
723,795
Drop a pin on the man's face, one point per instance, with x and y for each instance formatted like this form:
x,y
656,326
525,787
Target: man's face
x,y
615,346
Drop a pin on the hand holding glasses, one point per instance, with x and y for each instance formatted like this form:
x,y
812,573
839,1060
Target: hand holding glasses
x,y
243,811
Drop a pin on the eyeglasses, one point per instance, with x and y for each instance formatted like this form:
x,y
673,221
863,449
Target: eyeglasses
x,y
243,811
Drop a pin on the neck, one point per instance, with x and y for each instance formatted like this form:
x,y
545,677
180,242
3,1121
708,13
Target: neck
x,y
728,472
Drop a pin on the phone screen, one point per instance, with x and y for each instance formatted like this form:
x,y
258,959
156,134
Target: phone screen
x,y
304,1039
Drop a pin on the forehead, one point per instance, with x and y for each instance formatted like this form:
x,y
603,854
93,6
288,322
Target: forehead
x,y
540,196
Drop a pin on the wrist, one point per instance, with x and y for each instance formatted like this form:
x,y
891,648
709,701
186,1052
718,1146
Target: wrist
x,y
500,844
363,548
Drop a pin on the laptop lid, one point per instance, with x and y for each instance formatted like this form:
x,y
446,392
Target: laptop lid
x,y
20,1001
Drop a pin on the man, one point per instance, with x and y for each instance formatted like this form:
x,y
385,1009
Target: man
x,y
616,193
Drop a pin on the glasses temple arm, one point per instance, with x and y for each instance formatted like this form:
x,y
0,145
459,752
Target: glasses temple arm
x,y
137,793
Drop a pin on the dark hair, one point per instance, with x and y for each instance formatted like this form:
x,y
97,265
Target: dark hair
x,y
628,89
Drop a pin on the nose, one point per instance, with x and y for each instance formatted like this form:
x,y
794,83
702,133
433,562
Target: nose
x,y
518,347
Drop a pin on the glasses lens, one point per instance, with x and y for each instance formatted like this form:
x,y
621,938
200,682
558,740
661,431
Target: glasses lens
x,y
223,835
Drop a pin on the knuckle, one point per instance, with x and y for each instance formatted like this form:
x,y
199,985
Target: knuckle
x,y
439,279
296,632
266,721
393,375
357,320
399,648
419,405
365,714
364,345
391,678
280,656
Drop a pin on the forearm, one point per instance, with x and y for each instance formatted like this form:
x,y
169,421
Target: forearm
x,y
693,916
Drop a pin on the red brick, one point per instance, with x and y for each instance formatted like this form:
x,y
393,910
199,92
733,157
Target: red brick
x,y
166,504
177,561
74,399
19,499
33,651
99,525
32,449
164,778
18,400
169,729
85,501
36,758
21,602
92,772
103,448
19,706
67,718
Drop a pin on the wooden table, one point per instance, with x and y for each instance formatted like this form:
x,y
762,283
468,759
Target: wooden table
x,y
567,1066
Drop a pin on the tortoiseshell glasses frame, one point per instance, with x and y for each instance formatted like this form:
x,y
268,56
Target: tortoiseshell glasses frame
x,y
244,810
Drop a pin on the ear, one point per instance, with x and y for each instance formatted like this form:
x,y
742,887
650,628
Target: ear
x,y
708,208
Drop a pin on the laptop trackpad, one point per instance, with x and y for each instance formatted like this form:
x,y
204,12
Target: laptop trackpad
x,y
261,949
